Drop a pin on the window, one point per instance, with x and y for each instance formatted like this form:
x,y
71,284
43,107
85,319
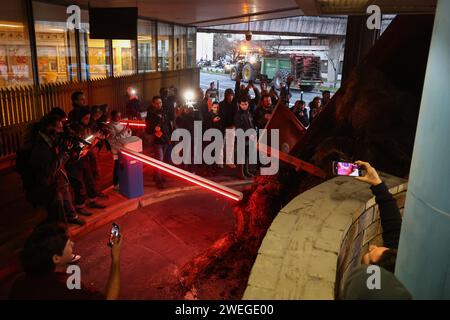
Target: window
x,y
55,44
165,46
124,56
15,52
146,46
191,46
95,54
180,41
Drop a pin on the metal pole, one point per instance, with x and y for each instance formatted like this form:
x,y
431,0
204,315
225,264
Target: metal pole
x,y
32,37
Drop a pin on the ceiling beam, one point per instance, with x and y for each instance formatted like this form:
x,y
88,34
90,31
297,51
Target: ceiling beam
x,y
244,15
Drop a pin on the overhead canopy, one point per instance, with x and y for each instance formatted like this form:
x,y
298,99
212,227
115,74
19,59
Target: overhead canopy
x,y
203,13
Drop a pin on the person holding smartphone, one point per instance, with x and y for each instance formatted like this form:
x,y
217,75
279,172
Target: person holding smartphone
x,y
391,221
45,258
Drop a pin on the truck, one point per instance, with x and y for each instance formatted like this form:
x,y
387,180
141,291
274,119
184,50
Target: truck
x,y
303,70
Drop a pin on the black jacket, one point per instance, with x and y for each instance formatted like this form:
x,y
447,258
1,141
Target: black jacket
x,y
302,116
391,220
228,111
260,116
244,120
48,170
133,109
155,119
215,125
75,114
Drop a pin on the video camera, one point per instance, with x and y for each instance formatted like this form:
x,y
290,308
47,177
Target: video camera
x,y
70,142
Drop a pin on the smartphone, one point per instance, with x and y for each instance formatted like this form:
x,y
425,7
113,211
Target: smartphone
x,y
346,169
115,233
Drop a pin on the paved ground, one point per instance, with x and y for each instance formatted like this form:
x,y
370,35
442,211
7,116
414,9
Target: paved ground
x,y
225,82
18,218
158,239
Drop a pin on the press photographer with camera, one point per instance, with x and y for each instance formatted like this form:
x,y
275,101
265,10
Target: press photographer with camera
x,y
50,185
79,168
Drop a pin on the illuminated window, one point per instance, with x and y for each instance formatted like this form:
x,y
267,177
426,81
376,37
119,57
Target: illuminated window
x,y
179,45
95,54
146,46
15,52
124,57
165,46
55,44
97,58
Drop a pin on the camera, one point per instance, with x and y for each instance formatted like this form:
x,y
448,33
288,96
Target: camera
x,y
71,143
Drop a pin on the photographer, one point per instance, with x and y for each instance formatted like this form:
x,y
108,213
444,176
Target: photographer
x,y
50,185
391,221
133,106
79,167
79,105
157,136
45,257
100,131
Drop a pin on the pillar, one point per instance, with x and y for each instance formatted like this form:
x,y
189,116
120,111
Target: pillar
x,y
358,42
423,262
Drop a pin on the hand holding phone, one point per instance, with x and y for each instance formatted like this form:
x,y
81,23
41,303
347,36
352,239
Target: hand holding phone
x,y
371,177
114,235
346,169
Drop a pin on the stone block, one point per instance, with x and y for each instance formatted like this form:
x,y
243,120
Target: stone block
x,y
329,240
322,265
283,224
318,290
265,272
257,293
274,245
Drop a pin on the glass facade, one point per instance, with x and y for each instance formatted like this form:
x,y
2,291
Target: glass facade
x,y
55,44
146,46
70,55
124,57
165,46
179,47
15,52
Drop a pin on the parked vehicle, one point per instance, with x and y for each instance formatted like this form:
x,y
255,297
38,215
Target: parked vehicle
x,y
302,69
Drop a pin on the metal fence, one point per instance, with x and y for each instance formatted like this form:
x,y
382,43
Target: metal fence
x,y
22,105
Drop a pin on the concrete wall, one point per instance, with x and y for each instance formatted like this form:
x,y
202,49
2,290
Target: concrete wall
x,y
298,258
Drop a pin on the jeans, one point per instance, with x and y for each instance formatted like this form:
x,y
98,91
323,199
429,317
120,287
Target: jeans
x,y
161,153
116,172
81,175
61,209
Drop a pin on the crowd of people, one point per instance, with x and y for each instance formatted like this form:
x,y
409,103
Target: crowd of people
x,y
58,160
59,169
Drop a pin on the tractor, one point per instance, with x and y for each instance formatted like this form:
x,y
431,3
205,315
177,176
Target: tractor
x,y
302,69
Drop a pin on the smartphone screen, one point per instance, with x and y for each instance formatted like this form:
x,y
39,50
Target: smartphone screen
x,y
115,232
346,169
